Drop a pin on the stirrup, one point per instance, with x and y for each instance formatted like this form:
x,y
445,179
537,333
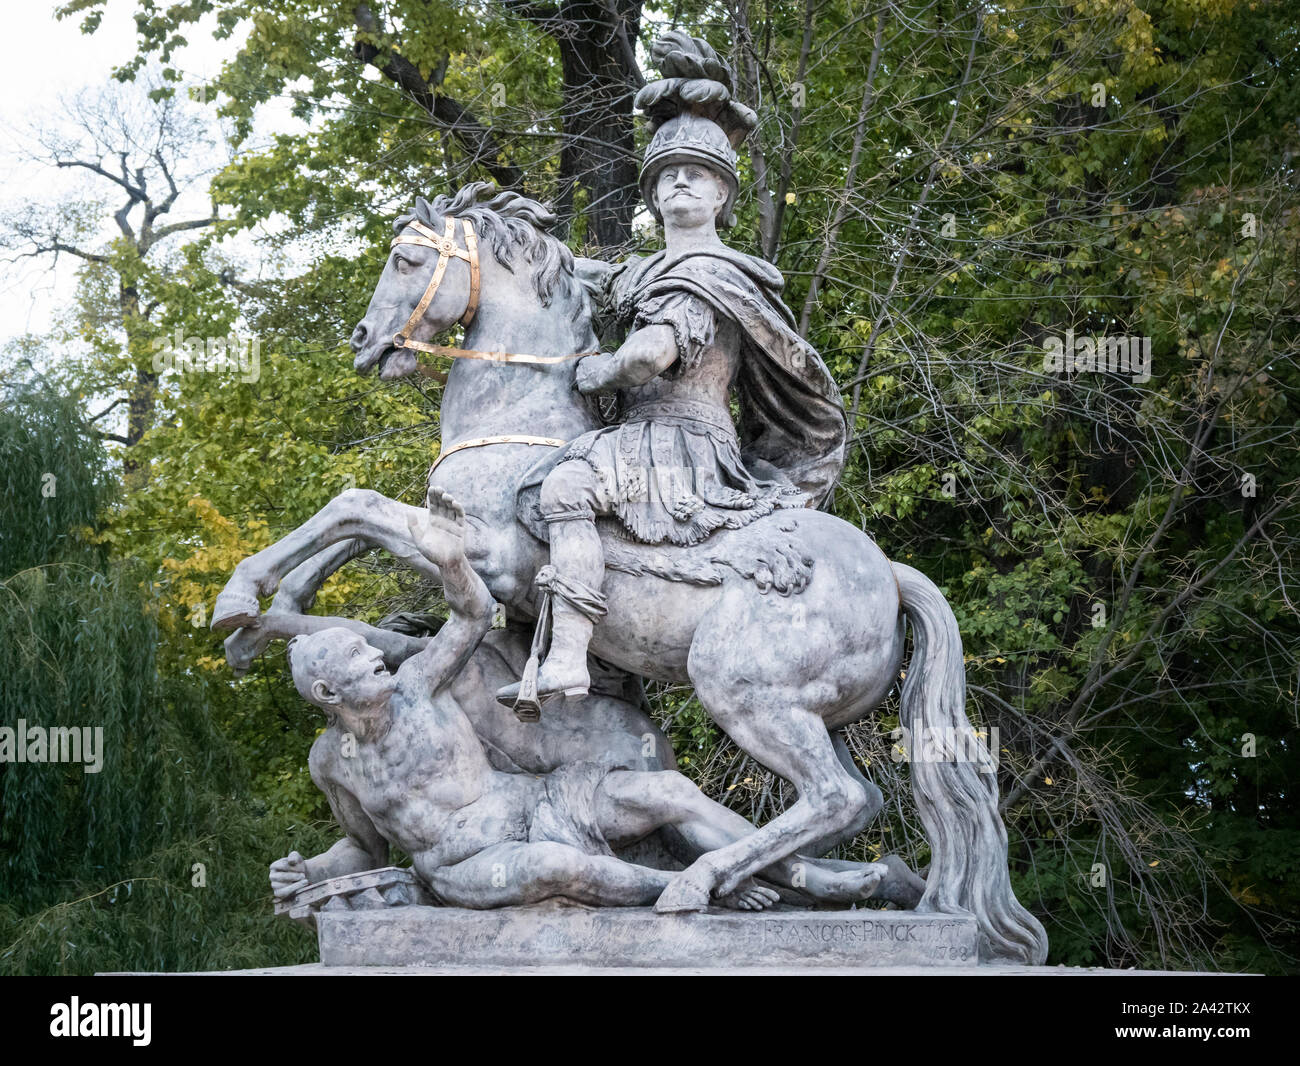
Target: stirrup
x,y
528,704
525,704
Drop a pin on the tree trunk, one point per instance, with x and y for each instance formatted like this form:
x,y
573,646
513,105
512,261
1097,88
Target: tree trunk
x,y
143,390
598,151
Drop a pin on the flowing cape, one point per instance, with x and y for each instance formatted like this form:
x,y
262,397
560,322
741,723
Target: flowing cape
x,y
792,416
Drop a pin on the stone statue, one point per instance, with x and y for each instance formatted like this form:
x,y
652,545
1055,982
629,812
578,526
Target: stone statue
x,y
718,570
401,763
703,320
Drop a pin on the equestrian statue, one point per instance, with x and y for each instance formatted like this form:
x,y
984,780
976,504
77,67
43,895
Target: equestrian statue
x,y
670,542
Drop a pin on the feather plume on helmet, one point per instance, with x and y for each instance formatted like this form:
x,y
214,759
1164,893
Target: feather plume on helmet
x,y
692,115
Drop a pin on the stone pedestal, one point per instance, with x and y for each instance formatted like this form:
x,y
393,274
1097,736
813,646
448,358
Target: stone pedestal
x,y
557,935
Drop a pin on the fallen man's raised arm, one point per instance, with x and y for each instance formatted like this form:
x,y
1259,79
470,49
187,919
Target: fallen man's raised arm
x,y
440,536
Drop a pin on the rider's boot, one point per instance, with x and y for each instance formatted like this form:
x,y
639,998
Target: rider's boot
x,y
565,667
578,566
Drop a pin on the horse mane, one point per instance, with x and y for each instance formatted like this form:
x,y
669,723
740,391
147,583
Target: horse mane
x,y
514,226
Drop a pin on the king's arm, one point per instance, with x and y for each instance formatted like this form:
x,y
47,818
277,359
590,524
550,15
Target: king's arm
x,y
670,332
647,352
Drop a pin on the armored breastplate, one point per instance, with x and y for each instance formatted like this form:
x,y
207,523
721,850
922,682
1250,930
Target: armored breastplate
x,y
700,391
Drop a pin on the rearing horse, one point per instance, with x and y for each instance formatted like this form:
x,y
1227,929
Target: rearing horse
x,y
787,629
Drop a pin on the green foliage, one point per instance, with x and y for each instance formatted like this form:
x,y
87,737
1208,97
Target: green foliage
x,y
993,204
97,868
52,481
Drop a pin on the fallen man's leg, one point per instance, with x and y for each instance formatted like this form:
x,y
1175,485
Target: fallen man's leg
x,y
630,804
513,874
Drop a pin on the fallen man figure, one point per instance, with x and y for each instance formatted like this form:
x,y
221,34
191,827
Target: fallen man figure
x,y
400,763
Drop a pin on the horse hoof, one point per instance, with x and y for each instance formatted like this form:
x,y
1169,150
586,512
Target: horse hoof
x,y
242,647
236,610
676,906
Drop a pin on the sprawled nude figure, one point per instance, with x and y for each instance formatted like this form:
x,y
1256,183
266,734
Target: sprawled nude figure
x,y
400,763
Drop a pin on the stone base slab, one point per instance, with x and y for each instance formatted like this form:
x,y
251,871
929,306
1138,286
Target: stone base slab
x,y
557,935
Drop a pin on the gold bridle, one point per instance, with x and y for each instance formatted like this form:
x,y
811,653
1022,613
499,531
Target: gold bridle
x,y
447,249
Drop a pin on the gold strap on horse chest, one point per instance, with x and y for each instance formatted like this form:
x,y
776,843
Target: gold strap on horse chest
x,y
446,247
495,357
479,442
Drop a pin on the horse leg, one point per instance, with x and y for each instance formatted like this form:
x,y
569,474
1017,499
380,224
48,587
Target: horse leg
x,y
295,596
901,885
285,625
354,513
792,742
875,802
631,804
297,592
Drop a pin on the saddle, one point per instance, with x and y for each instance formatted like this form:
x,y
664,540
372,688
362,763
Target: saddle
x,y
767,551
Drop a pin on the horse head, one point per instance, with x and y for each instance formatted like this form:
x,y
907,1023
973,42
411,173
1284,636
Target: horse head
x,y
525,291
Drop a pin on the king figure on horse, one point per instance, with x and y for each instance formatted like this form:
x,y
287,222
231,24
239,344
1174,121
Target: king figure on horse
x,y
702,322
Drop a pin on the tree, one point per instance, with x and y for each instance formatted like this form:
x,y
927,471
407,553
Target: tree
x,y
151,855
142,149
412,44
949,191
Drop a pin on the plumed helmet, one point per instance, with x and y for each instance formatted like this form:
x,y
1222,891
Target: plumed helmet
x,y
689,138
692,115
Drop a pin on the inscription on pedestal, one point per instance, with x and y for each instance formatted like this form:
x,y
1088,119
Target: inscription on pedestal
x,y
551,935
935,939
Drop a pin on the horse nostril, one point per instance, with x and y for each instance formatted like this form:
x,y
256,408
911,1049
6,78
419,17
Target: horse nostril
x,y
359,337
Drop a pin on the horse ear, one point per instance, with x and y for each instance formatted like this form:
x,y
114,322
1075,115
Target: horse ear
x,y
422,208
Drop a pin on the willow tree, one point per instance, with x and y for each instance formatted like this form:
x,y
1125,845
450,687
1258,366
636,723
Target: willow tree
x,y
150,855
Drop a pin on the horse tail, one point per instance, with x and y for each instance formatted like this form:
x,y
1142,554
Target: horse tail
x,y
954,780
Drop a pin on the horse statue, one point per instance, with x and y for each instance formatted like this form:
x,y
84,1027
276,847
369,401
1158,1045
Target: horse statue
x,y
788,629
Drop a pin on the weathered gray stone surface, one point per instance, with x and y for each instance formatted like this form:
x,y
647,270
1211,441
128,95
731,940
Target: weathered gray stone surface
x,y
787,622
550,935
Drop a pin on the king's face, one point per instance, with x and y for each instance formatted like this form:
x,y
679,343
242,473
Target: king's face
x,y
689,195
